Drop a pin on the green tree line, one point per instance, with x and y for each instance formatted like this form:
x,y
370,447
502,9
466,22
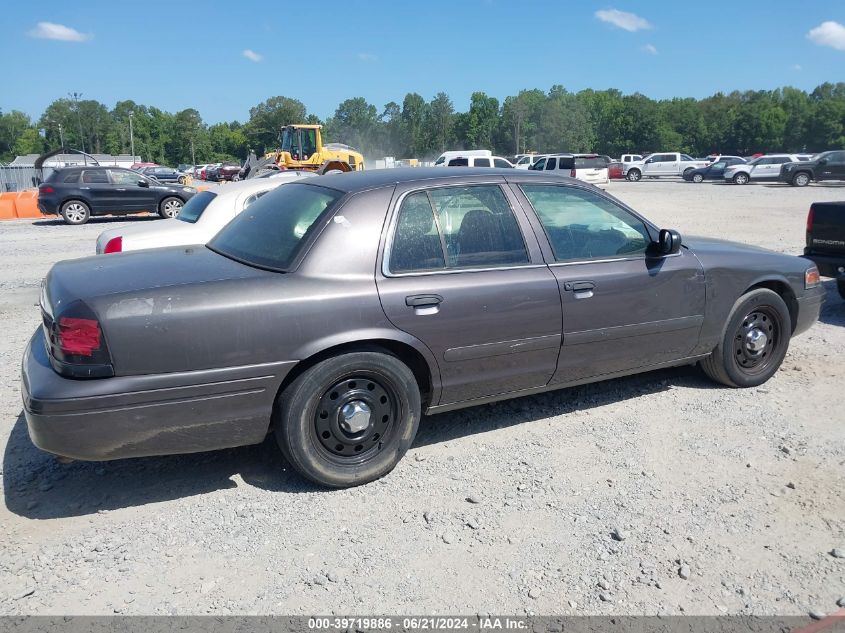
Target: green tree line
x,y
602,121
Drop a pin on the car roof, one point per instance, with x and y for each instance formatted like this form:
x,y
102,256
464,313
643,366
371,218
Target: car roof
x,y
353,182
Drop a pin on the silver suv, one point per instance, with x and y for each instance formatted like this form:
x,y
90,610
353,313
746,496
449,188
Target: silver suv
x,y
761,168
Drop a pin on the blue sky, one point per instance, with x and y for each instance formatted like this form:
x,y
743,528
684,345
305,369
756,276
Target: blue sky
x,y
224,57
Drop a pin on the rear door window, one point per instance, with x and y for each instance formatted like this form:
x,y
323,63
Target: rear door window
x,y
551,163
95,176
482,162
459,162
456,227
498,162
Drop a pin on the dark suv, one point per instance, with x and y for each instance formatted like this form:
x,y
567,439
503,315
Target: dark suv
x,y
824,166
77,193
165,174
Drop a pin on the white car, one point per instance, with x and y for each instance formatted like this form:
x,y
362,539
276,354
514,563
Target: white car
x,y
761,168
524,161
200,219
479,161
446,156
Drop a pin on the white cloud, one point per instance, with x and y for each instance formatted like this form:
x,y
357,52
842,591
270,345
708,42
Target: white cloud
x,y
650,48
623,19
828,34
53,31
252,56
367,57
796,67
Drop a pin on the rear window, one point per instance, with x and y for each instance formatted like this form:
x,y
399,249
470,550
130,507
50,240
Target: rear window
x,y
194,207
595,162
271,232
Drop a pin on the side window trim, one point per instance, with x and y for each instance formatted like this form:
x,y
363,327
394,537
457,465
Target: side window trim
x,y
507,194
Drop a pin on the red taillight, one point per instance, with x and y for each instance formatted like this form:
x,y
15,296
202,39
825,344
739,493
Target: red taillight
x,y
79,336
46,189
114,245
810,220
572,173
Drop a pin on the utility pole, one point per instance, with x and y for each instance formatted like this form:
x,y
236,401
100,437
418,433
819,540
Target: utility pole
x,y
193,156
131,137
62,138
75,96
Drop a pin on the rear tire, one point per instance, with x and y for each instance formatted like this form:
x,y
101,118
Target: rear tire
x,y
801,179
170,207
754,343
840,286
348,420
634,175
741,179
697,178
75,212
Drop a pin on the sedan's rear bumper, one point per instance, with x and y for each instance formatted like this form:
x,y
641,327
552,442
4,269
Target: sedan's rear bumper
x,y
809,307
134,416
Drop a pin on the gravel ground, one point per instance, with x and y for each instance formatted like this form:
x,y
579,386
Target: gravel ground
x,y
655,494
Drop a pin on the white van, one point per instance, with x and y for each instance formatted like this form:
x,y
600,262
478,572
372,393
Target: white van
x,y
591,168
479,161
445,157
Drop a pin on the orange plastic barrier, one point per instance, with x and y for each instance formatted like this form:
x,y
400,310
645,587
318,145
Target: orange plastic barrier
x,y
7,207
19,204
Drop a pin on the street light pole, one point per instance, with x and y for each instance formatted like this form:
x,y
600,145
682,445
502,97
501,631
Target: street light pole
x,y
193,156
75,96
131,137
62,138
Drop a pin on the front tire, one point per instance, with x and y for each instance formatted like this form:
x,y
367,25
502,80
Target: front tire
x,y
687,171
170,207
348,420
801,179
754,343
75,212
634,175
741,179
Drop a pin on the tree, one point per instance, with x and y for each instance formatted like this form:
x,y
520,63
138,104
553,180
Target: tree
x,y
413,124
13,125
267,119
440,121
354,123
481,120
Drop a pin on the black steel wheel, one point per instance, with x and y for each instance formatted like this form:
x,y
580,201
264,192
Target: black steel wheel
x,y
348,420
754,343
355,416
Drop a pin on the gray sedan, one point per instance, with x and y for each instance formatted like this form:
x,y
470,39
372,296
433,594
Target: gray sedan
x,y
336,311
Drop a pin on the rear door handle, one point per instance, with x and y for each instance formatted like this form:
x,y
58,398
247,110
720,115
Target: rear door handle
x,y
424,305
420,301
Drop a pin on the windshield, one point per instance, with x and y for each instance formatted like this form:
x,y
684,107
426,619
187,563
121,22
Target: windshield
x,y
271,232
194,207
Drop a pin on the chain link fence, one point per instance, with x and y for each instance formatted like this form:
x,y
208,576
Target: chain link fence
x,y
19,177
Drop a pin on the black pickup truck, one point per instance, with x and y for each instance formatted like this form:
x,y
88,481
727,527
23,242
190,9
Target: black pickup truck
x,y
824,166
826,240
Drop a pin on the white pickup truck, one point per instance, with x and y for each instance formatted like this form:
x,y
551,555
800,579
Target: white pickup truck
x,y
662,164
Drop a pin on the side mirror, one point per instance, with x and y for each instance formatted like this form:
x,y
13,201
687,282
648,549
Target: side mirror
x,y
143,183
668,242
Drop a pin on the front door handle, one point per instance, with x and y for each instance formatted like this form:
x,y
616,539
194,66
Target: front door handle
x,y
577,286
581,289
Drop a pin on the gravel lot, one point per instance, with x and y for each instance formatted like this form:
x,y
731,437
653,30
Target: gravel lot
x,y
656,494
